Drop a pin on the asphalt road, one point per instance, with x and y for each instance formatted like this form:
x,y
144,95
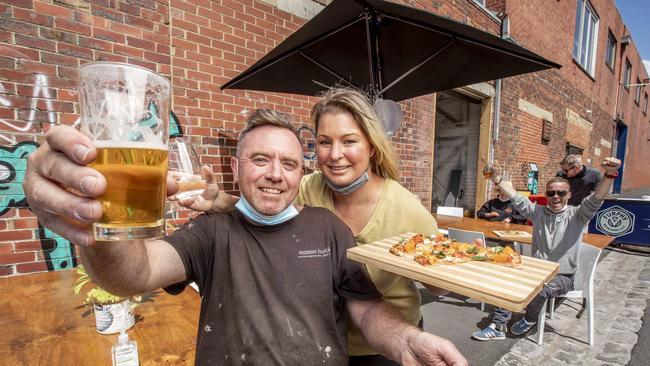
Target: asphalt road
x,y
455,318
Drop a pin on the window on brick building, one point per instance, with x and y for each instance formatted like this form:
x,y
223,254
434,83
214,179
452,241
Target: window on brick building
x,y
645,104
637,94
627,73
610,53
573,150
586,34
480,2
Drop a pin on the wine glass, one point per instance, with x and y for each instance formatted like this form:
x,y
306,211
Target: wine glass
x,y
184,166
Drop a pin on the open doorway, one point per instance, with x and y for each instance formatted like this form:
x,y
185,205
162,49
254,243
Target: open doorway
x,y
456,150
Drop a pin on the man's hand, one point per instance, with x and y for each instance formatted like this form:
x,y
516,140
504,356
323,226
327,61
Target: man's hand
x,y
507,220
492,214
60,189
211,200
202,202
427,349
611,165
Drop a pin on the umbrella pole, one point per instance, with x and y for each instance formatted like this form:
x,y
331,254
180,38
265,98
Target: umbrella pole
x,y
373,56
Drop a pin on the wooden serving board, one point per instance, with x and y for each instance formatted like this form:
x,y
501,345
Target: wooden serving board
x,y
495,284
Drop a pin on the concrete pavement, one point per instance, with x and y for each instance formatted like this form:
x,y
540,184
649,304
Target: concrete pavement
x,y
621,300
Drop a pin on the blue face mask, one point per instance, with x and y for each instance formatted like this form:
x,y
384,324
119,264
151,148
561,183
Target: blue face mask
x,y
252,214
358,183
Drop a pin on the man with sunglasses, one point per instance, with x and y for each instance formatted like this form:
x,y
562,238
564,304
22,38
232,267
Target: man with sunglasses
x,y
557,234
582,180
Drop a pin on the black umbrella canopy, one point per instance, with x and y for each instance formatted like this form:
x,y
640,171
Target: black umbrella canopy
x,y
389,50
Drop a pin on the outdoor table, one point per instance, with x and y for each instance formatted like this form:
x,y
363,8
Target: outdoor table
x,y
42,323
488,227
496,284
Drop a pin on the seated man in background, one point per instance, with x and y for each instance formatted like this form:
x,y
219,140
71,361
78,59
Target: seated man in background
x,y
557,236
500,208
275,283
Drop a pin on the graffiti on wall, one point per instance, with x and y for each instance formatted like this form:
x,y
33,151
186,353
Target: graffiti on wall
x,y
13,163
58,253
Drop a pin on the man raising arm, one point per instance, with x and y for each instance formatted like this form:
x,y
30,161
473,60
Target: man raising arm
x,y
557,236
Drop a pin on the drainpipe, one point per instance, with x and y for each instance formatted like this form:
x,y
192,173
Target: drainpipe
x,y
505,34
495,123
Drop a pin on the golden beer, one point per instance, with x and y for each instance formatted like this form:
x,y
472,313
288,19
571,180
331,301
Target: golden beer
x,y
134,201
189,188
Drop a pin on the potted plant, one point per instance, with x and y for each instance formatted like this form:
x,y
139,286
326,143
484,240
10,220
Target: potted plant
x,y
112,313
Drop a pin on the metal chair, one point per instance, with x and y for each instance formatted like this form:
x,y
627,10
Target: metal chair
x,y
449,211
465,236
583,283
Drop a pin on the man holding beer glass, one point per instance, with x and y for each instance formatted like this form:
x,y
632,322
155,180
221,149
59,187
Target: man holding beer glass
x,y
275,282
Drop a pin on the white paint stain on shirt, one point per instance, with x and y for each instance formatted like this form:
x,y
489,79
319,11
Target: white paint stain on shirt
x,y
289,326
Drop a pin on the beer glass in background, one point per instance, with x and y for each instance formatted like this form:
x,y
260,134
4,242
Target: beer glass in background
x,y
125,111
184,166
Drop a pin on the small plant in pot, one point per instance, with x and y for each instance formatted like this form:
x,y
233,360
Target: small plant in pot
x,y
112,313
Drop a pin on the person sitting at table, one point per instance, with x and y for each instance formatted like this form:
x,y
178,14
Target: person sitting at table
x,y
582,180
557,235
500,209
275,283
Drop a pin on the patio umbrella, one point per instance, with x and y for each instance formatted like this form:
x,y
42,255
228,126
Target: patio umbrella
x,y
389,50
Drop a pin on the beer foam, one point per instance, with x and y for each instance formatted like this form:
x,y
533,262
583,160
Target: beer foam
x,y
129,145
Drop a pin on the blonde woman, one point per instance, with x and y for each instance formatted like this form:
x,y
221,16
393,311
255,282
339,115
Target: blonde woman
x,y
359,182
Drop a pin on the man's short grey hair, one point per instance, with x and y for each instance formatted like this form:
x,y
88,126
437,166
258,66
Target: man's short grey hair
x,y
265,117
572,160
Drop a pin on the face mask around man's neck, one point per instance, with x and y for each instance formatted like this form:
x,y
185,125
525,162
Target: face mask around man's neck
x,y
252,214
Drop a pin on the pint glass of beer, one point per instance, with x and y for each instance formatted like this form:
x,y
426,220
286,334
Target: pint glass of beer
x,y
125,111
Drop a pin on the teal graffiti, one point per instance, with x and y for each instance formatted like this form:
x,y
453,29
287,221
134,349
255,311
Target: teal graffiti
x,y
59,253
13,163
175,129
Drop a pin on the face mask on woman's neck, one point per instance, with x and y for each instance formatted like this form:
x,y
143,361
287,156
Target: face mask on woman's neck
x,y
252,214
352,187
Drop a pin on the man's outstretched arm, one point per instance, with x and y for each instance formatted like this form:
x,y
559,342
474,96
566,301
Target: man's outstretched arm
x,y
611,166
132,267
388,333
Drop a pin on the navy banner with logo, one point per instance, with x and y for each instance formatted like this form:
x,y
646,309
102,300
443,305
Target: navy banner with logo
x,y
626,219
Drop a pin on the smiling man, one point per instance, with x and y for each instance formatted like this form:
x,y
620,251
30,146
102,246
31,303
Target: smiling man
x,y
276,286
557,234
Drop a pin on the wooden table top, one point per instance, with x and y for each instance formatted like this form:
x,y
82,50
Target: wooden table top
x,y
43,324
495,284
488,227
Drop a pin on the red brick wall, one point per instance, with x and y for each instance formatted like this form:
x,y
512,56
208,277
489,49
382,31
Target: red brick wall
x,y
570,87
198,44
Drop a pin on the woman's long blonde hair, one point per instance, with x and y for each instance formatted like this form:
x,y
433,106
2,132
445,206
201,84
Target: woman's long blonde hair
x,y
384,161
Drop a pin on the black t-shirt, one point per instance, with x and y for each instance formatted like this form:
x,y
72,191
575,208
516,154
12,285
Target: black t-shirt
x,y
582,184
272,294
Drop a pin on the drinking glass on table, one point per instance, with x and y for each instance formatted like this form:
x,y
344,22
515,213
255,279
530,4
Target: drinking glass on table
x,y
184,166
125,112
